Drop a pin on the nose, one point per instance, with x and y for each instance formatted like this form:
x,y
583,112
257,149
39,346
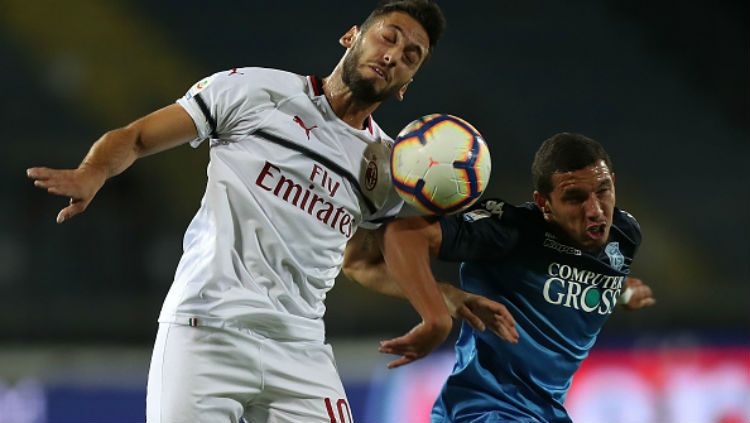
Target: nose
x,y
389,56
593,207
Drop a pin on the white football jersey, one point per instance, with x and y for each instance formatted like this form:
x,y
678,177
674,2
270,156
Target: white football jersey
x,y
288,185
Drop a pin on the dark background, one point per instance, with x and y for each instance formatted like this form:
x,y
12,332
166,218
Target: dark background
x,y
663,85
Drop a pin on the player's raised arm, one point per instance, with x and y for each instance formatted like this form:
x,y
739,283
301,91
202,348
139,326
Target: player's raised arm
x,y
406,255
111,154
365,264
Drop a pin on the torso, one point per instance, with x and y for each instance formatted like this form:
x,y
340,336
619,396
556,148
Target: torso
x,y
285,192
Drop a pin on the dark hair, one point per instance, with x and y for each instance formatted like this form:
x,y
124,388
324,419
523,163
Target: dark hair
x,y
426,12
564,152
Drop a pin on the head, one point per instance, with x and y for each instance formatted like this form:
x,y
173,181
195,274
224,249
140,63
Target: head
x,y
575,188
384,54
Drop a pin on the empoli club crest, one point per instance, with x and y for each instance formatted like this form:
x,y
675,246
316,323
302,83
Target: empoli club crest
x,y
616,259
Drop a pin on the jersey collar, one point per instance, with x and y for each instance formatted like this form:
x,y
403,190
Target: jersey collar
x,y
316,88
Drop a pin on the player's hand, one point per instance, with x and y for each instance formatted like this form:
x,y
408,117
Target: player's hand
x,y
480,312
419,342
80,185
636,294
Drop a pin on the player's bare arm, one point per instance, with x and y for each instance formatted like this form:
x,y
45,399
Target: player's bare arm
x,y
364,264
111,154
637,294
406,246
407,256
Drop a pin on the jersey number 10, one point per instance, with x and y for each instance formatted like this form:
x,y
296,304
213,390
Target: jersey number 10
x,y
342,408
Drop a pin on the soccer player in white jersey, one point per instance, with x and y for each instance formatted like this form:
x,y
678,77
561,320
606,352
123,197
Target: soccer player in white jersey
x,y
295,168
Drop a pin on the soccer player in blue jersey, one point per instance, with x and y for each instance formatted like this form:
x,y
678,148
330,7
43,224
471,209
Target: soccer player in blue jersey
x,y
559,264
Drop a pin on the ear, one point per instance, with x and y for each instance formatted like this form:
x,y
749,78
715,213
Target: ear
x,y
347,40
543,204
402,90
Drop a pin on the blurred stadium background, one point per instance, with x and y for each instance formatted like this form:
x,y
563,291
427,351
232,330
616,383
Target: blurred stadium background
x,y
663,85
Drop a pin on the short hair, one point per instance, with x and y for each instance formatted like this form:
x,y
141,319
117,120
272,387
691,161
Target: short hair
x,y
426,12
564,152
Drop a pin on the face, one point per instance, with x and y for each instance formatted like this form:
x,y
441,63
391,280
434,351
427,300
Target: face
x,y
581,205
382,60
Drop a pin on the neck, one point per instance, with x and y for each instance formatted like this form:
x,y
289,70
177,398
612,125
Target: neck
x,y
343,103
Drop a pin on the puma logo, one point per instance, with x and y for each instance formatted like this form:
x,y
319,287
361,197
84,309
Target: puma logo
x,y
302,124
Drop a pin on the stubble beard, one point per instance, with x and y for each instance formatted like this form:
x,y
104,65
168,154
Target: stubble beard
x,y
362,89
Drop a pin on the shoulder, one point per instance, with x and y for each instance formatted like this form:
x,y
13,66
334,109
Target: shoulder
x,y
627,225
490,229
502,211
259,73
270,77
248,79
495,214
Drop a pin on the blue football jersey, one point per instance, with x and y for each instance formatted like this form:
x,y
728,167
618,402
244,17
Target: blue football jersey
x,y
559,296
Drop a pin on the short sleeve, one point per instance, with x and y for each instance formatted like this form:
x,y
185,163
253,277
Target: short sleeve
x,y
376,186
484,232
226,104
390,210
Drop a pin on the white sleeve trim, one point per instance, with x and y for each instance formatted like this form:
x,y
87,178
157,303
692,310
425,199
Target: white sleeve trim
x,y
200,121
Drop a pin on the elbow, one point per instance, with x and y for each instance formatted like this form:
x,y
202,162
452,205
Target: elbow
x,y
351,268
361,274
348,271
355,273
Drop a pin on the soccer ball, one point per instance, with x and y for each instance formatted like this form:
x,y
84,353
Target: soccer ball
x,y
440,164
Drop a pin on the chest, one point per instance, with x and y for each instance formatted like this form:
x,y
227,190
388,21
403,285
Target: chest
x,y
565,280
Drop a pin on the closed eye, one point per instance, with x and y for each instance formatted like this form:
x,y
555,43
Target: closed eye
x,y
390,37
574,196
604,188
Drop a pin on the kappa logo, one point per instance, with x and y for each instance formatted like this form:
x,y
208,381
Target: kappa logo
x,y
234,71
616,259
299,122
550,241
